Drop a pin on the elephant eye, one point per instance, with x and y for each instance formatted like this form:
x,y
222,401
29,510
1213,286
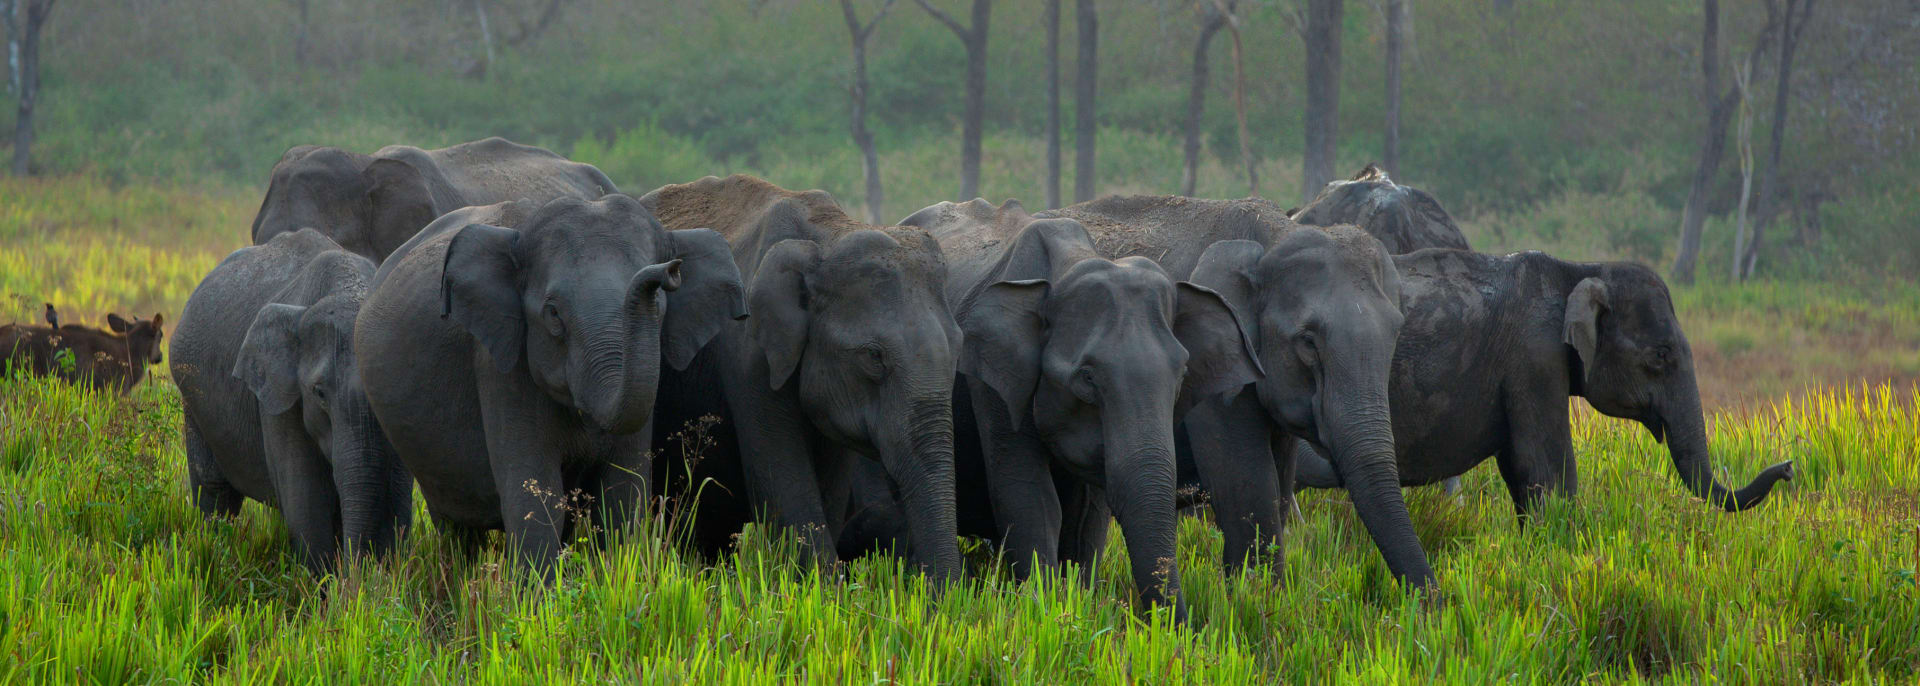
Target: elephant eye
x,y
1307,346
873,359
320,392
1084,386
551,313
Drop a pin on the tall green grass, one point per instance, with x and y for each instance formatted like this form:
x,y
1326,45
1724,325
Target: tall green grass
x,y
108,575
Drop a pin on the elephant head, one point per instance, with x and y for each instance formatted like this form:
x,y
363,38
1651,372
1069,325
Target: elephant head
x,y
367,205
1105,356
1402,217
859,328
1634,363
298,361
1323,310
588,298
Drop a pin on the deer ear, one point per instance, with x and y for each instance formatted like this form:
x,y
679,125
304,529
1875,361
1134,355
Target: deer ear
x,y
117,323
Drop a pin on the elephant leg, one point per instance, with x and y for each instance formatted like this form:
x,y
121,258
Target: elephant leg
x,y
1233,448
1085,519
211,492
1537,460
465,540
777,449
1026,506
525,433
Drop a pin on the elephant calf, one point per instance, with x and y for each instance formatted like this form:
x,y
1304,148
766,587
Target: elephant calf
x,y
512,352
1077,368
849,357
1322,310
274,408
1492,349
112,360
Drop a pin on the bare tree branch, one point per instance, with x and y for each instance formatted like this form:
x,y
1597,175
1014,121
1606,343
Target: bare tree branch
x,y
952,25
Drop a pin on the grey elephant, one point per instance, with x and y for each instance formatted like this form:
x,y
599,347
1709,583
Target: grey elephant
x,y
849,357
1076,369
1404,218
1322,310
273,405
1492,349
512,352
371,204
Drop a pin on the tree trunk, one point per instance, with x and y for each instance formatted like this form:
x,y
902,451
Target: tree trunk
x,y
975,39
1197,97
1323,94
12,47
1790,29
1240,104
1713,144
27,31
1085,81
486,39
870,159
1741,81
300,36
976,102
1396,27
1053,104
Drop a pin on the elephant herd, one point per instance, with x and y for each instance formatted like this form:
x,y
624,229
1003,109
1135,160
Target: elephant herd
x,y
505,329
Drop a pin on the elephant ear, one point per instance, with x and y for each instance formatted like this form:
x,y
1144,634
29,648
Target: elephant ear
x,y
269,361
1221,357
401,204
1036,247
1226,269
710,295
1005,331
480,289
1584,306
779,304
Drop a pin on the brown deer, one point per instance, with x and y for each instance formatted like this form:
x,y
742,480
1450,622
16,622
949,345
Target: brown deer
x,y
104,360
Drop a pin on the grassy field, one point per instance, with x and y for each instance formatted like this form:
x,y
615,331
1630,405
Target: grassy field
x,y
108,575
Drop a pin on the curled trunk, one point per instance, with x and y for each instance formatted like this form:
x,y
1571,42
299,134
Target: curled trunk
x,y
1686,434
622,361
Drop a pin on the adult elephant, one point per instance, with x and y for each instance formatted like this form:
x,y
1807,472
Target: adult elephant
x,y
1492,349
371,204
512,352
1322,309
273,408
1404,218
849,355
1079,366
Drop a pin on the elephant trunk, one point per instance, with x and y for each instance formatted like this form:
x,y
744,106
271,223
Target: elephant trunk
x,y
920,463
364,467
1141,475
1684,428
622,364
1357,429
